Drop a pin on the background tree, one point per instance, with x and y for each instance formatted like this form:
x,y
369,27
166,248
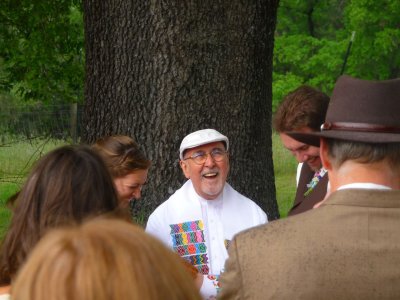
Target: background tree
x,y
42,55
158,70
375,51
41,50
312,37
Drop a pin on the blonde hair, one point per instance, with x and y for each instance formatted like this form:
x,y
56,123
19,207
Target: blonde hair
x,y
103,260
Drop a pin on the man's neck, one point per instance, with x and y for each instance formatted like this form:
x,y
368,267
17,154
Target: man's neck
x,y
352,172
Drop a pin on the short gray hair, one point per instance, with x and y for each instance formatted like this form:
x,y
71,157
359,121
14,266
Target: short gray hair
x,y
364,153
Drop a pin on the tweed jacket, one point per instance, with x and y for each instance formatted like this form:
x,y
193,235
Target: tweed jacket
x,y
303,203
348,248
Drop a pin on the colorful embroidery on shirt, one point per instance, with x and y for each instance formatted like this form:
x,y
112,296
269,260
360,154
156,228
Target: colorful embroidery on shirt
x,y
187,226
186,238
195,260
191,249
188,241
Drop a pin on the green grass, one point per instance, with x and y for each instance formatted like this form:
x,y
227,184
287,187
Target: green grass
x,y
16,160
6,191
285,166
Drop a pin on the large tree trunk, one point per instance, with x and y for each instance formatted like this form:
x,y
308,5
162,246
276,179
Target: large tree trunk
x,y
158,70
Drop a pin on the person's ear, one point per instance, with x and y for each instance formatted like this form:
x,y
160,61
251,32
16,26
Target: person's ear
x,y
185,168
324,154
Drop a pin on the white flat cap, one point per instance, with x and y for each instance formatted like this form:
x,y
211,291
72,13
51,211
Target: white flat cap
x,y
201,137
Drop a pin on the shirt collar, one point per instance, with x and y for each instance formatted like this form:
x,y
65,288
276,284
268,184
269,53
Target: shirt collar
x,y
364,185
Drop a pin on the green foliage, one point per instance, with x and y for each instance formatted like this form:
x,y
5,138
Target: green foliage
x,y
311,17
42,45
41,49
376,47
312,38
282,83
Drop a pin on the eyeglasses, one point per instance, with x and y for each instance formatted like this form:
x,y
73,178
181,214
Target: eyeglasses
x,y
200,157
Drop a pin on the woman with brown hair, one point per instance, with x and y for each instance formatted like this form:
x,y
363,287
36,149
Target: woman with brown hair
x,y
68,185
127,164
102,260
129,168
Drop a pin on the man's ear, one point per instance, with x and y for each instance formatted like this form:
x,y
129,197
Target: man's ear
x,y
323,153
185,168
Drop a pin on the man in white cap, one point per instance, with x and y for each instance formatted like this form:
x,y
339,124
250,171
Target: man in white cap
x,y
199,220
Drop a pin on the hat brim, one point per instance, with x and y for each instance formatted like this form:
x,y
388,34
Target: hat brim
x,y
224,140
313,138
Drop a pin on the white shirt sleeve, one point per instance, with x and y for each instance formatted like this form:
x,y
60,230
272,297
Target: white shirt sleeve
x,y
299,166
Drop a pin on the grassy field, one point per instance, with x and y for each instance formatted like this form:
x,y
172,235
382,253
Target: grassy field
x,y
285,166
16,160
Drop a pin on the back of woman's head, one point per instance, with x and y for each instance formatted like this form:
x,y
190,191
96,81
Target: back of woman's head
x,y
103,259
69,184
121,155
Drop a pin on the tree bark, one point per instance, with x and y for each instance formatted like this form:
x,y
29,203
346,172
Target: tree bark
x,y
158,70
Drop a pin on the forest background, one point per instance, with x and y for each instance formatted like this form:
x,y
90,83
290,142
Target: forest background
x,y
42,47
42,53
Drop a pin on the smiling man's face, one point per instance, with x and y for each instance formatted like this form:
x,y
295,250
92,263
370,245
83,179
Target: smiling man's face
x,y
208,178
304,153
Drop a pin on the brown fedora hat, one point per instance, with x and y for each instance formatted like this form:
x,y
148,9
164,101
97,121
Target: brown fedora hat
x,y
361,111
